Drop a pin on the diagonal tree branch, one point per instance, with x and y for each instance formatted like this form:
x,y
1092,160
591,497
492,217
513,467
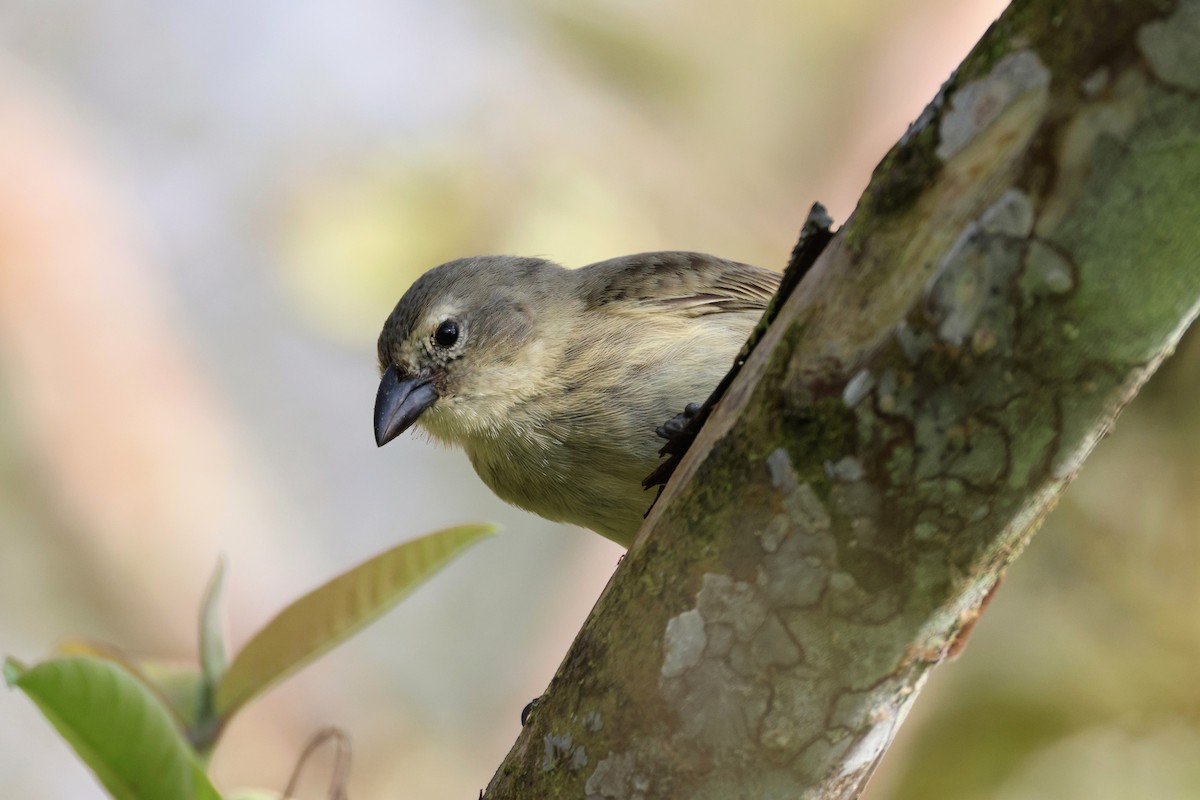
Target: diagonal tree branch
x,y
1018,266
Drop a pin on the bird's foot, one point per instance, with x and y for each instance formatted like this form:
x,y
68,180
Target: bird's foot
x,y
681,430
679,424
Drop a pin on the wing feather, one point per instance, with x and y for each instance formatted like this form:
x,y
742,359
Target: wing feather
x,y
690,284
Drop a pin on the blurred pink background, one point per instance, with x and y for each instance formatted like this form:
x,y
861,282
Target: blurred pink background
x,y
208,209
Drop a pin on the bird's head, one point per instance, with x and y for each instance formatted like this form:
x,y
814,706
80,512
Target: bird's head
x,y
464,344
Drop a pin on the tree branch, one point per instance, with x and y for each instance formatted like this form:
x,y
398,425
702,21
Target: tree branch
x,y
1020,263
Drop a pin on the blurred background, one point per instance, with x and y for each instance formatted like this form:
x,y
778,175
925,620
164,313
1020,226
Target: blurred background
x,y
207,209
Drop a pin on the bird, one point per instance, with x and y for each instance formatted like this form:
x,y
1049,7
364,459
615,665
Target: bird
x,y
553,380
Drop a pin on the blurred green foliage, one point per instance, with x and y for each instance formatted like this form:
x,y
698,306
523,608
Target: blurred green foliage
x,y
147,733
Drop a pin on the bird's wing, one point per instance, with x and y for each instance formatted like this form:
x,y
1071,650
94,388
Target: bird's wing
x,y
689,284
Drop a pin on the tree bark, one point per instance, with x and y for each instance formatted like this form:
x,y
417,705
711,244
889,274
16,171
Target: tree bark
x,y
1020,263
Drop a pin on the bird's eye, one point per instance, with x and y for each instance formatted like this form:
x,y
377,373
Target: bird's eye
x,y
446,334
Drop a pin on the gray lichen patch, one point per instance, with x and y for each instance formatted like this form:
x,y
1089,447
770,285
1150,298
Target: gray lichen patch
x,y
772,646
851,657
732,671
1047,273
717,706
723,601
779,465
1095,83
925,530
978,104
684,643
1172,46
1011,215
857,388
968,298
804,510
798,571
799,545
617,777
792,717
560,750
855,499
739,628
847,468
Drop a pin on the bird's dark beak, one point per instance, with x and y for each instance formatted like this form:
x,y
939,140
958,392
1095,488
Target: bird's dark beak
x,y
399,402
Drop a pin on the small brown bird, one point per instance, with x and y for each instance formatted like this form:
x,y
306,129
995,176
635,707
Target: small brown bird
x,y
554,380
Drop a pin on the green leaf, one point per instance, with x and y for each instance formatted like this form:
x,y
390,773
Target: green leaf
x,y
334,611
178,686
116,725
203,788
13,670
212,628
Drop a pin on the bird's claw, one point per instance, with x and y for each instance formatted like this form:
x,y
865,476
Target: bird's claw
x,y
679,423
679,431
